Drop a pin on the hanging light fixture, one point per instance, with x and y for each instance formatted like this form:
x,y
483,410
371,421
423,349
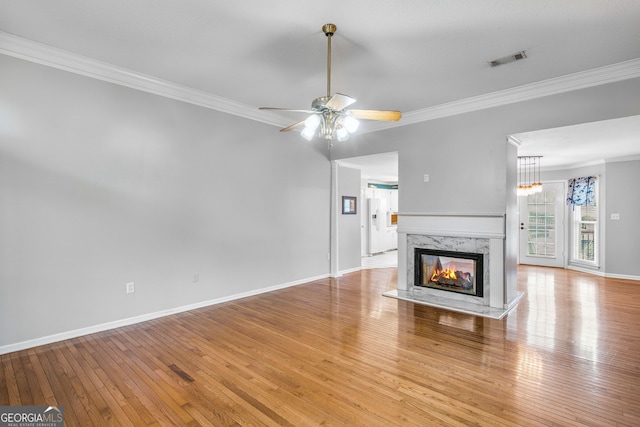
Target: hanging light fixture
x,y
333,123
529,175
329,125
330,119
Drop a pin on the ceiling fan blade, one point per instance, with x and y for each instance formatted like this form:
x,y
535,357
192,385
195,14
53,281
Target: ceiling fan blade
x,y
339,102
287,109
386,115
293,126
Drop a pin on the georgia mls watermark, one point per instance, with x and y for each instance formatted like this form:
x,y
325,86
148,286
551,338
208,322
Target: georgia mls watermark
x,y
31,416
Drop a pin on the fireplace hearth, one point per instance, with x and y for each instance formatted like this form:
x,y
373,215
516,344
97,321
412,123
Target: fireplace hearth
x,y
459,272
489,287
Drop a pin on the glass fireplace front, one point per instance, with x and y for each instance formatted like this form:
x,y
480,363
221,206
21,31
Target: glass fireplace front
x,y
459,272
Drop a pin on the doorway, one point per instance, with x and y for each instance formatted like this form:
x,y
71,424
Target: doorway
x,y
542,226
379,180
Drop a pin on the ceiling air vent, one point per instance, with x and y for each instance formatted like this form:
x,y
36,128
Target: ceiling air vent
x,y
507,59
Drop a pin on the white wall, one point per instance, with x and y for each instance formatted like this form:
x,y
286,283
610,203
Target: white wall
x,y
511,225
101,185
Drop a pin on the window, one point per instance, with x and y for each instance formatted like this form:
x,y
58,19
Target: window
x,y
541,235
585,232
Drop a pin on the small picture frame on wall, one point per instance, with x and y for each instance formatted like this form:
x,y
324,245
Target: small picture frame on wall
x,y
349,205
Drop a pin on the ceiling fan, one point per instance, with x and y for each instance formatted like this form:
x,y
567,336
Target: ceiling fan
x,y
329,117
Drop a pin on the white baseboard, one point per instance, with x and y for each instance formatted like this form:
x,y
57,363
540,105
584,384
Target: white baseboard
x,y
603,274
585,270
49,339
350,270
622,276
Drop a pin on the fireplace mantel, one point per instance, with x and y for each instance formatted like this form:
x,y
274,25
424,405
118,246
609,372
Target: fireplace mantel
x,y
485,225
451,229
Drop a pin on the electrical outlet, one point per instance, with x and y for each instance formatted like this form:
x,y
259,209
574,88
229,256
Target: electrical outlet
x,y
426,177
131,287
615,216
196,277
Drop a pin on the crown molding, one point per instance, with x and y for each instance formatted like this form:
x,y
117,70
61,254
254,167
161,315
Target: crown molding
x,y
631,158
40,53
584,79
64,60
514,141
609,160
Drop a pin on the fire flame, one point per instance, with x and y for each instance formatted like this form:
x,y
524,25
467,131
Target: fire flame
x,y
449,273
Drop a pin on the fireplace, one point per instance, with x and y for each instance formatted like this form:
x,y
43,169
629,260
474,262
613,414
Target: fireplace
x,y
459,272
479,238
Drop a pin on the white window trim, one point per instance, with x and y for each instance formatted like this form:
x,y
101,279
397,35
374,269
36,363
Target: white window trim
x,y
573,261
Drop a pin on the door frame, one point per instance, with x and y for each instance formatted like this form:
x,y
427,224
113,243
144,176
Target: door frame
x,y
562,230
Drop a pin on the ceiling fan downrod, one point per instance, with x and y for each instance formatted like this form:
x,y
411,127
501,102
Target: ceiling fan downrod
x,y
328,30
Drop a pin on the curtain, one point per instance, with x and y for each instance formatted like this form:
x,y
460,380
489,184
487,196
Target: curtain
x,y
582,191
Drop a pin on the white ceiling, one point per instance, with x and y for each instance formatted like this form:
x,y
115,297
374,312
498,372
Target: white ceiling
x,y
563,147
406,55
569,146
376,167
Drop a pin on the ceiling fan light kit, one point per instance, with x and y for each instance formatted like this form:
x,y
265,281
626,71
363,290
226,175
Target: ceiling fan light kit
x,y
329,119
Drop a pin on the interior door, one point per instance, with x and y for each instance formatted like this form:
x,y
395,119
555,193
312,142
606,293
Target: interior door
x,y
542,231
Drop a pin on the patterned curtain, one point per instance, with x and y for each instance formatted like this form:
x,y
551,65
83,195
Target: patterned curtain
x,y
582,191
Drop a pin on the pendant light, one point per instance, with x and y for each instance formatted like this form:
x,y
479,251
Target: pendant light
x,y
529,175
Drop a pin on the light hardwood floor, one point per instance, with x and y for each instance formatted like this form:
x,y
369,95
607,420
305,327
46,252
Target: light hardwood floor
x,y
336,352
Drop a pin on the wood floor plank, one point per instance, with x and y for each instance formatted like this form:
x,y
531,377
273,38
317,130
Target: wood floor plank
x,y
36,391
4,387
11,381
96,389
21,373
46,393
336,352
63,393
109,374
146,392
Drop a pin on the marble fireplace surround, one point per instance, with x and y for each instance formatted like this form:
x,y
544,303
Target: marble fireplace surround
x,y
459,232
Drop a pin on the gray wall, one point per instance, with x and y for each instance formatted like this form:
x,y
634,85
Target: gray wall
x,y
481,175
619,240
101,185
349,241
598,170
623,236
